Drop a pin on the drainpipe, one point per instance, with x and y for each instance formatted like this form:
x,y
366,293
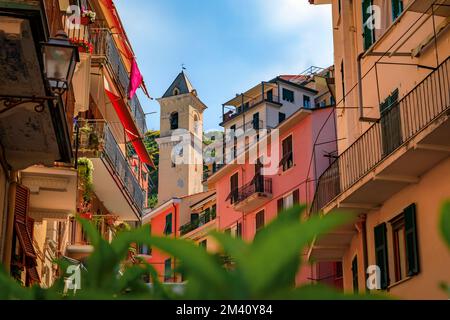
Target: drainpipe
x,y
362,118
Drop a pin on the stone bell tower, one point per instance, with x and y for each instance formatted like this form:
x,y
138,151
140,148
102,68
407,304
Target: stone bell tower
x,y
181,111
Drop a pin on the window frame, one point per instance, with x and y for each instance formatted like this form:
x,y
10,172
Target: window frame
x,y
288,95
169,222
287,156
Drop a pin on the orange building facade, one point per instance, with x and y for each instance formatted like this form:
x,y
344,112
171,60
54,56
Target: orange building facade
x,y
393,98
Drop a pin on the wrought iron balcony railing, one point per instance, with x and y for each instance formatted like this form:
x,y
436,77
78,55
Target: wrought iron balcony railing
x,y
400,123
102,44
259,184
274,98
204,218
95,140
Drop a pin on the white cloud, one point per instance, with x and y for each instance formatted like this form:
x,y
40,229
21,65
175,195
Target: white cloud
x,y
285,15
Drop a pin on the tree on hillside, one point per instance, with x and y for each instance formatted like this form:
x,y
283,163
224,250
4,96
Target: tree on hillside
x,y
153,150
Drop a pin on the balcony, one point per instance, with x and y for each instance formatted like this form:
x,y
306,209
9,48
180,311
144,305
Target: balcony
x,y
114,181
105,51
252,195
410,139
203,219
407,141
246,102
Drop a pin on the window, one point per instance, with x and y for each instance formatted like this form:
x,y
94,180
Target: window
x,y
203,244
280,205
306,101
174,121
176,91
332,101
256,121
405,248
368,17
168,226
288,201
239,230
213,212
398,236
167,270
397,9
145,250
355,274
381,254
270,95
281,117
287,159
234,185
288,95
235,139
323,103
259,220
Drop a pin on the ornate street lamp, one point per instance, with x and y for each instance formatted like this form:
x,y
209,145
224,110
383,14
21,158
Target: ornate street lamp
x,y
60,60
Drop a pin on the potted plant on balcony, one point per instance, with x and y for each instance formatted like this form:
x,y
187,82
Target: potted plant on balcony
x,y
85,134
84,46
87,17
86,185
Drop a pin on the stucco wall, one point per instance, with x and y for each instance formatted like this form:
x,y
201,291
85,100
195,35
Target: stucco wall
x,y
428,194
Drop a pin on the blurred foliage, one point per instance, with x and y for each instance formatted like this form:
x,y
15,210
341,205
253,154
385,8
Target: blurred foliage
x,y
445,231
153,149
255,272
85,173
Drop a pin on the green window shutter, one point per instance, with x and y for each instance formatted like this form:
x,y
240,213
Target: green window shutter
x,y
381,254
167,269
168,227
412,247
397,8
368,33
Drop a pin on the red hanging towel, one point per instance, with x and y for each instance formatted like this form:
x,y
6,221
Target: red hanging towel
x,y
130,128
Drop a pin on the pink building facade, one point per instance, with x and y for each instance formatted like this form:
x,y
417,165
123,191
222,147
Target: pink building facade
x,y
248,200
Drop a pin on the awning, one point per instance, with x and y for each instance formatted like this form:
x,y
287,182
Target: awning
x,y
130,128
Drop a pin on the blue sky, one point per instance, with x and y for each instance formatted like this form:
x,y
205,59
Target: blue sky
x,y
227,46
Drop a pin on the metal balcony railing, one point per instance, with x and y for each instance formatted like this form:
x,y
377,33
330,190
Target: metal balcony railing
x,y
103,45
95,139
259,184
250,104
204,218
404,119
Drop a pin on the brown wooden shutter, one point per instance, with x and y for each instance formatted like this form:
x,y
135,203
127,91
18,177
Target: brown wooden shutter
x,y
21,205
259,221
280,205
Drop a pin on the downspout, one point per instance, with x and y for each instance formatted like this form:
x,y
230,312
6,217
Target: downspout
x,y
362,118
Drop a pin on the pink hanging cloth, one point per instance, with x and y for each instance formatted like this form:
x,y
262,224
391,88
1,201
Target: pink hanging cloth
x,y
135,80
